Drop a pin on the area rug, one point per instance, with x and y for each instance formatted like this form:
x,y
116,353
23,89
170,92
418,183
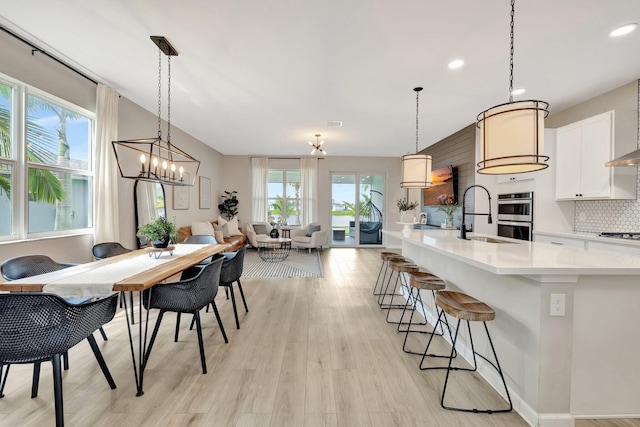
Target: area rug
x,y
298,264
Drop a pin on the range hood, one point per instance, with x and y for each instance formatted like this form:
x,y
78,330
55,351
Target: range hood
x,y
631,159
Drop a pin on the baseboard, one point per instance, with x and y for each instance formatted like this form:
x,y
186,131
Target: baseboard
x,y
556,420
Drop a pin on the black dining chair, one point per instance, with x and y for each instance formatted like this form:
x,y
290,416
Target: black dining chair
x,y
106,250
197,287
27,266
37,327
230,273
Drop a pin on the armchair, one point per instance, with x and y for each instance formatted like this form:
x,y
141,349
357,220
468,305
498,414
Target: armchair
x,y
255,229
300,238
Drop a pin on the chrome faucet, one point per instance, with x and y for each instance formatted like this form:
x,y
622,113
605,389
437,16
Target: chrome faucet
x,y
463,228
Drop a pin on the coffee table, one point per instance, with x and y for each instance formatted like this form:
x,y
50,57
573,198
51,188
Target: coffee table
x,y
273,250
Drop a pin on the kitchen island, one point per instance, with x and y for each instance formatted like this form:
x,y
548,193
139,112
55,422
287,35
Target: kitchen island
x,y
581,362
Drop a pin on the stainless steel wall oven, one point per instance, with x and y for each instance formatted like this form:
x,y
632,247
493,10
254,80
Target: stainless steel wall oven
x,y
515,215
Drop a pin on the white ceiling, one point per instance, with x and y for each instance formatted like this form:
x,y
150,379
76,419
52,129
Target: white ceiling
x,y
261,77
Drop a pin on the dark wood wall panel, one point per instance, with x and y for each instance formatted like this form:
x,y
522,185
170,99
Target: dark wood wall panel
x,y
457,150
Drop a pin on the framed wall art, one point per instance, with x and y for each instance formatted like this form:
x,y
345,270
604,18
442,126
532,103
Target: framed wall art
x,y
181,195
205,193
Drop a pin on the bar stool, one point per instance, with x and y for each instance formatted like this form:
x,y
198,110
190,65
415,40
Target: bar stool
x,y
464,307
384,256
386,263
400,267
422,280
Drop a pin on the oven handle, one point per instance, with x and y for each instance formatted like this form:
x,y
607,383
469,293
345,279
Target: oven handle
x,y
525,223
515,202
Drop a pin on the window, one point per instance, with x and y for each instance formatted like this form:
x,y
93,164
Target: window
x,y
283,192
46,171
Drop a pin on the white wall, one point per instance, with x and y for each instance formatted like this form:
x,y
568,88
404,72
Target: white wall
x,y
237,176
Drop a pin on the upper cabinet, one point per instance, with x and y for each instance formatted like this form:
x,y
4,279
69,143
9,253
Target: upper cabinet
x,y
582,150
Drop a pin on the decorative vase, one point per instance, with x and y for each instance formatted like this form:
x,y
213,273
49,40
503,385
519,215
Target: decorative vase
x,y
449,223
407,217
162,243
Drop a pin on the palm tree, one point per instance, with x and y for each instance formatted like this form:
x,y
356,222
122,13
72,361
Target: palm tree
x,y
44,186
276,207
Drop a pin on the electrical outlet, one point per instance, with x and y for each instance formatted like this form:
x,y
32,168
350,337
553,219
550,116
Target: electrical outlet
x,y
557,304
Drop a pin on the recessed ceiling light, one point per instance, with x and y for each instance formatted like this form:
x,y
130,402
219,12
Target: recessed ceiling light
x,y
456,64
518,91
621,31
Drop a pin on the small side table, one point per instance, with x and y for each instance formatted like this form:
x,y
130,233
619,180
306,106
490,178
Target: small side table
x,y
285,232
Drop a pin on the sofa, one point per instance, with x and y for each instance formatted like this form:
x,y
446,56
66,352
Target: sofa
x,y
263,230
236,242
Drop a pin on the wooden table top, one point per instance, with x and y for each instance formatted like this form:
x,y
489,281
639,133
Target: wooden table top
x,y
138,282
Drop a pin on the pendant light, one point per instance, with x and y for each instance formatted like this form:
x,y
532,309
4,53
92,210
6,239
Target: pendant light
x,y
317,146
154,159
416,168
512,134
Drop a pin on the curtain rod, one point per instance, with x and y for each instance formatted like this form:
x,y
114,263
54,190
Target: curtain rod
x,y
283,158
35,48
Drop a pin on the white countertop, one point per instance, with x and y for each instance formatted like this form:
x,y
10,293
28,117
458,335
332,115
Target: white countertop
x,y
588,236
521,257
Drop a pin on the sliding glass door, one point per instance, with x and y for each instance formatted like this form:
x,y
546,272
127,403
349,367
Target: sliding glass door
x,y
357,209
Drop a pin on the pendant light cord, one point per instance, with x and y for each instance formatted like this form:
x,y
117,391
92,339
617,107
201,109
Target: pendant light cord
x,y
159,92
513,12
417,89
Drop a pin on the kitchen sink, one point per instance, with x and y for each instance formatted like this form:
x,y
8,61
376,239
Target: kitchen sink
x,y
490,240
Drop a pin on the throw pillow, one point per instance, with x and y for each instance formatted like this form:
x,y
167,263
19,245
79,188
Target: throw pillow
x,y
219,236
260,228
233,225
201,228
225,231
311,228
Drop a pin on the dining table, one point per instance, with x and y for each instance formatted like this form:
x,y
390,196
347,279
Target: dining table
x,y
135,271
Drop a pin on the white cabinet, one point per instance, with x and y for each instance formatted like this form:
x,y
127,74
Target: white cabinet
x,y
500,179
582,150
616,248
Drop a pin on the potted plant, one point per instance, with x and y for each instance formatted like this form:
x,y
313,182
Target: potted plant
x,y
403,207
228,205
159,232
448,207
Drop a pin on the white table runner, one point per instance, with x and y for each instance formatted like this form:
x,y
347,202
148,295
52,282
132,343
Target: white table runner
x,y
99,281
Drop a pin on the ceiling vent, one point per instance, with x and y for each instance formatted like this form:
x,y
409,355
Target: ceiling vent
x,y
334,123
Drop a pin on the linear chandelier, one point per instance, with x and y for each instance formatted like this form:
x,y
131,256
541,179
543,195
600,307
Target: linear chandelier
x,y
416,168
512,134
154,159
317,146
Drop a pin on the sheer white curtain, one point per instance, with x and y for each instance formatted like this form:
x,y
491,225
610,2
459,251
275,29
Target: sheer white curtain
x,y
106,227
259,171
309,185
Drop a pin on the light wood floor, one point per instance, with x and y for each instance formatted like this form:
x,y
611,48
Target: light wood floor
x,y
311,352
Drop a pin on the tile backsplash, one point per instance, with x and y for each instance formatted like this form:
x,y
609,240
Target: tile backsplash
x,y
608,215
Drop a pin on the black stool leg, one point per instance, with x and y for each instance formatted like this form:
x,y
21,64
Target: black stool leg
x,y
475,367
385,266
403,285
426,353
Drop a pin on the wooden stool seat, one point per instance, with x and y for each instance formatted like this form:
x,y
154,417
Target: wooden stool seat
x,y
465,307
384,256
424,280
403,267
